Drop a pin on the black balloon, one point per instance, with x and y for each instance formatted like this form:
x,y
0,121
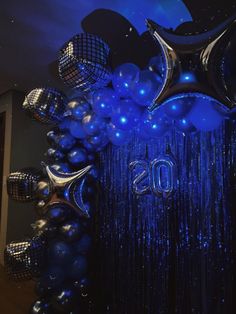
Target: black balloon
x,y
22,185
46,105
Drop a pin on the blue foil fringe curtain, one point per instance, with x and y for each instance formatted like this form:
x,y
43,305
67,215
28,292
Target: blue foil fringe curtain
x,y
175,255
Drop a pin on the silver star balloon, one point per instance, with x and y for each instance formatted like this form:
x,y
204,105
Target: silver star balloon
x,y
68,188
201,54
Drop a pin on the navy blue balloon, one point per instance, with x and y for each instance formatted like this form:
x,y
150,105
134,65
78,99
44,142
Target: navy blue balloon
x,y
52,137
93,124
83,245
82,286
126,115
77,130
145,89
41,306
64,125
59,252
55,154
79,108
78,267
157,64
99,141
58,212
62,167
124,78
71,230
64,300
50,280
77,156
116,136
65,142
104,101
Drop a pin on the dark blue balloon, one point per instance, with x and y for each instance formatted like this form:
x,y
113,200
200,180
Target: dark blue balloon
x,y
145,90
126,115
58,212
116,136
52,137
79,108
204,115
99,141
77,156
77,130
124,77
82,286
41,306
71,230
64,300
65,124
78,267
178,107
104,101
157,65
62,167
50,280
55,154
185,125
154,124
93,124
65,142
59,252
83,245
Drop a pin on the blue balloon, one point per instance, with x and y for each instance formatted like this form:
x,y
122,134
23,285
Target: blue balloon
x,y
83,245
77,156
82,286
50,280
65,142
58,212
55,154
104,101
64,300
71,230
185,125
145,89
52,137
126,115
77,130
42,306
65,124
99,141
155,124
93,124
62,167
178,107
59,252
79,108
116,136
204,115
124,77
78,267
157,65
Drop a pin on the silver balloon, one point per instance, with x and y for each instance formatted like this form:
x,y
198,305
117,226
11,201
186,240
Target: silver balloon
x,y
24,260
83,63
22,185
46,105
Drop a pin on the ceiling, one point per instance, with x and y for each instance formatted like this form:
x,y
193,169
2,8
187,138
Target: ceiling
x,y
32,31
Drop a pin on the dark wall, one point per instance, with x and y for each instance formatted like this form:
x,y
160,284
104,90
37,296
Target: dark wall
x,y
28,145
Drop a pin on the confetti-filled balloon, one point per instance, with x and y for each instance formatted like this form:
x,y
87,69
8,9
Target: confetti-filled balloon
x,y
46,105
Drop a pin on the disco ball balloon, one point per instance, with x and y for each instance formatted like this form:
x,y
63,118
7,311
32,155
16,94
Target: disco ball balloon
x,y
22,185
83,63
46,105
24,260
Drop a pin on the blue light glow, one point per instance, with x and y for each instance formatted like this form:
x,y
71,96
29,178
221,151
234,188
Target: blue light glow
x,y
187,78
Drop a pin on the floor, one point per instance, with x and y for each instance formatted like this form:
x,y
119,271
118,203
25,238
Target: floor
x,y
15,298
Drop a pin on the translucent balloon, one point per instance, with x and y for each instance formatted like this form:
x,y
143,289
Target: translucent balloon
x,y
185,125
124,77
93,124
155,124
126,115
178,107
145,89
79,108
104,101
77,130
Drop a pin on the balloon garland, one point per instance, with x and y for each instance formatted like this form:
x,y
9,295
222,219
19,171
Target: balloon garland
x,y
103,107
